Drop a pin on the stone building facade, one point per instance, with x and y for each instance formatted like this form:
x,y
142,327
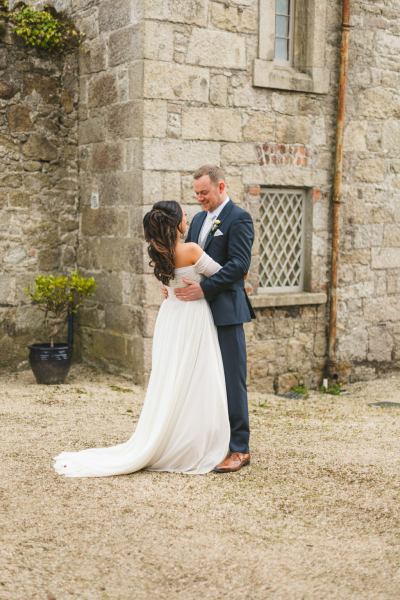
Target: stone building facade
x,y
167,85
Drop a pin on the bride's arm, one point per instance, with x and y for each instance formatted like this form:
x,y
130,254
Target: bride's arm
x,y
207,266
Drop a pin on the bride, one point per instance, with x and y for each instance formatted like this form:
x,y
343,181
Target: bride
x,y
184,425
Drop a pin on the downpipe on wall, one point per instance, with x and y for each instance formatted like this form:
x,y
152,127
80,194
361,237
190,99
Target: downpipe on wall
x,y
332,366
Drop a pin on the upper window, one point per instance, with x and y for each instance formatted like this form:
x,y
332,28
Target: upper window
x,y
283,30
291,52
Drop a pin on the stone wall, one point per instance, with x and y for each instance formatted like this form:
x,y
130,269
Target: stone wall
x,y
286,347
111,117
38,184
369,284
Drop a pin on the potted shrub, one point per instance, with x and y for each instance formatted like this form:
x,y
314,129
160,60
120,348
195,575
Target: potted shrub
x,y
59,297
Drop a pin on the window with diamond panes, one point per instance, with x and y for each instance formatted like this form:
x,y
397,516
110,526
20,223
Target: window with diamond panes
x,y
282,240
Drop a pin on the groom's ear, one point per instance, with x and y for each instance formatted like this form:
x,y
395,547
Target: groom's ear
x,y
221,186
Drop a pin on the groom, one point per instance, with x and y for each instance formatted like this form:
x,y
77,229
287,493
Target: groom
x,y
226,233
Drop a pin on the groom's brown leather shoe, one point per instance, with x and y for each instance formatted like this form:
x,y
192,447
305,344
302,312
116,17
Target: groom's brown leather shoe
x,y
233,462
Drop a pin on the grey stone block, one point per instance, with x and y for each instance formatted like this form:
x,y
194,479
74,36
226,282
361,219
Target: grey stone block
x,y
102,90
114,14
125,45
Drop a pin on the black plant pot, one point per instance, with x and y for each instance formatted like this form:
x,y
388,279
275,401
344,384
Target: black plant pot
x,y
50,365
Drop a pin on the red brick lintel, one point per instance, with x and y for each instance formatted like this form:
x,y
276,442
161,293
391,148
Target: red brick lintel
x,y
271,153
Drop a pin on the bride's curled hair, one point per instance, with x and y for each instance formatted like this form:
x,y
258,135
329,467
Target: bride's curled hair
x,y
160,226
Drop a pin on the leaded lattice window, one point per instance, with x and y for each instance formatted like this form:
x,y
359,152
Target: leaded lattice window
x,y
282,240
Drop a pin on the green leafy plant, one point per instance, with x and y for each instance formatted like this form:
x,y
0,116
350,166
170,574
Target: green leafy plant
x,y
333,389
300,389
58,296
43,29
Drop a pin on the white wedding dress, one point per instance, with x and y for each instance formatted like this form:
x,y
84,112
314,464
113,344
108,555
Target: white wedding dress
x,y
184,424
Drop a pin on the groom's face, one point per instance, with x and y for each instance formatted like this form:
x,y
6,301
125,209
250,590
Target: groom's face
x,y
209,195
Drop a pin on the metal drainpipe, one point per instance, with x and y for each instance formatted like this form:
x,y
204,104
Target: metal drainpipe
x,y
337,186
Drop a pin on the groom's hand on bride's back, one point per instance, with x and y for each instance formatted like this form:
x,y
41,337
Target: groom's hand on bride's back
x,y
192,291
164,291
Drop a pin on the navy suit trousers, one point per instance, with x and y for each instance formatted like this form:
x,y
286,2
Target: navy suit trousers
x,y
233,349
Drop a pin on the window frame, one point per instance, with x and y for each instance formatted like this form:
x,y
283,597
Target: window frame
x,y
307,71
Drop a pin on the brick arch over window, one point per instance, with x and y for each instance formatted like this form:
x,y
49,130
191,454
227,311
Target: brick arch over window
x,y
307,71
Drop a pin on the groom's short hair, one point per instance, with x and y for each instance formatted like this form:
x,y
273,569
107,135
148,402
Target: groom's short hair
x,y
214,172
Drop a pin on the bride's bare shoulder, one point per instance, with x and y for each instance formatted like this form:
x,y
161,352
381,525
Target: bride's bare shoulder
x,y
195,251
187,254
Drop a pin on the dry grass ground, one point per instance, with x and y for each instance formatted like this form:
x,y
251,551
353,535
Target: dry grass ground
x,y
315,516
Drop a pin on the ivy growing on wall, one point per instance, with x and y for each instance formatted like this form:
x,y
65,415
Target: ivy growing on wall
x,y
43,29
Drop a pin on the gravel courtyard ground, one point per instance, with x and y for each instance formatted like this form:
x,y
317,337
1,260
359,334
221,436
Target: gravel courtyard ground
x,y
315,516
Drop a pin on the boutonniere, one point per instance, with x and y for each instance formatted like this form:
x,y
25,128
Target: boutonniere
x,y
215,226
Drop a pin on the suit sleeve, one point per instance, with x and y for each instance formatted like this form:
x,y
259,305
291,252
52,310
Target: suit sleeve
x,y
240,241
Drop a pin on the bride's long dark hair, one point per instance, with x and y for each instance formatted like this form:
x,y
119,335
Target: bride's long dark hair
x,y
160,226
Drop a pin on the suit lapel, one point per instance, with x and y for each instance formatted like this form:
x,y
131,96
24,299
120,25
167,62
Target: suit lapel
x,y
197,225
221,217
208,239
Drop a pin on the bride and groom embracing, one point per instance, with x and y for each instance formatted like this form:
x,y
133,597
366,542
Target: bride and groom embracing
x,y
195,415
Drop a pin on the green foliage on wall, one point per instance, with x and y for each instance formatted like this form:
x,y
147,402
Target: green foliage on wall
x,y
43,29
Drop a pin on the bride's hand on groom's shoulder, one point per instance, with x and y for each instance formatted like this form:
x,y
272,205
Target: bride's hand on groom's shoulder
x,y
192,291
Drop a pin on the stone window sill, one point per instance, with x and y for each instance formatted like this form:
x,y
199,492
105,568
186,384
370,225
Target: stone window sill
x,y
287,299
268,74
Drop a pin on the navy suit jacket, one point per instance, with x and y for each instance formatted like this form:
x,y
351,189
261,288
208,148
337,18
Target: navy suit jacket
x,y
225,290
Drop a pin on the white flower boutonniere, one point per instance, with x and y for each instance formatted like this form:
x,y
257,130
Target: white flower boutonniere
x,y
215,226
